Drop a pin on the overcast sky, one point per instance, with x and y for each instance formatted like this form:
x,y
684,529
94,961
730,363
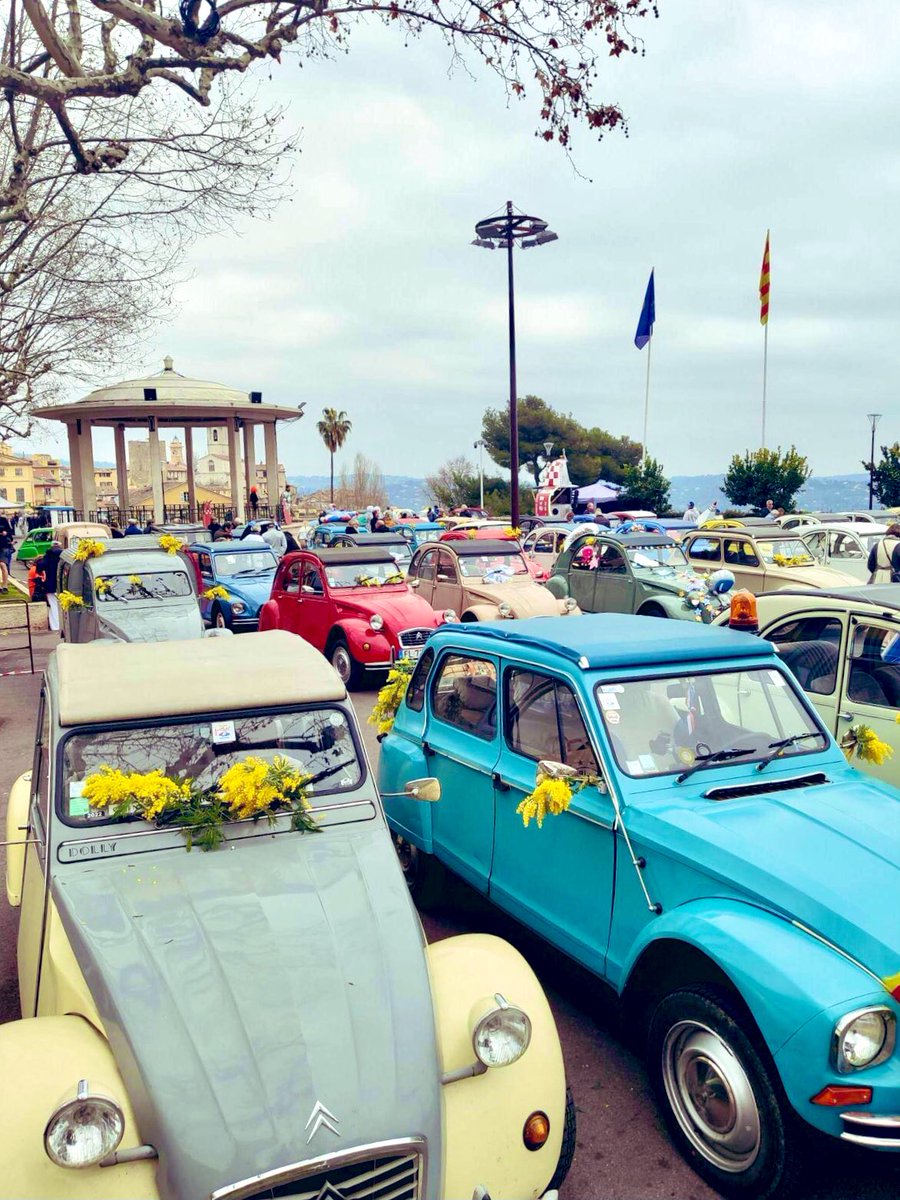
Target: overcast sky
x,y
362,292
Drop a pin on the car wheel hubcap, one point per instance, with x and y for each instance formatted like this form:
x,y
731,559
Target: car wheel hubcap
x,y
340,660
409,860
220,620
711,1096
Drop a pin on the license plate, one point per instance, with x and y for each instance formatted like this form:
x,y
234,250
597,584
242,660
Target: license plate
x,y
411,652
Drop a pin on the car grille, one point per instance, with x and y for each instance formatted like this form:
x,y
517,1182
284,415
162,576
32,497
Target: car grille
x,y
357,1175
414,637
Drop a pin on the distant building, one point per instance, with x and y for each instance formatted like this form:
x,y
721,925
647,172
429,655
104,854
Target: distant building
x,y
34,480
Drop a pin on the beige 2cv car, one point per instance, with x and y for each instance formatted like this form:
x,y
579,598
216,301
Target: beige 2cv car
x,y
761,559
263,1019
481,581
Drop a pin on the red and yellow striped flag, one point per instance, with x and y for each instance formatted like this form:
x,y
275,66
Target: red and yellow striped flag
x,y
764,286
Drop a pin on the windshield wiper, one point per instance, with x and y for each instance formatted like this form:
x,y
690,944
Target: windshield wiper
x,y
779,747
348,762
251,571
706,760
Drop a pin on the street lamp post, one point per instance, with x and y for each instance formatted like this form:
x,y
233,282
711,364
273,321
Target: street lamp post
x,y
874,418
479,446
502,233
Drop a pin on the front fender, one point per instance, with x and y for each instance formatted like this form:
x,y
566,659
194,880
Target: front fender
x,y
359,635
672,605
484,1116
401,760
784,975
558,585
42,1059
481,612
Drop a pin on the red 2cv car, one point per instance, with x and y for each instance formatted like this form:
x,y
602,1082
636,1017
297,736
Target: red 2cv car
x,y
352,604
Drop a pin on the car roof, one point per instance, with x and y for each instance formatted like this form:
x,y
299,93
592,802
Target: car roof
x,y
97,682
466,546
860,528
636,539
129,558
373,539
349,554
772,532
874,595
253,541
595,640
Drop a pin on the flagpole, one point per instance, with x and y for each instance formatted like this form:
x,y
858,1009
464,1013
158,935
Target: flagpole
x,y
765,374
647,398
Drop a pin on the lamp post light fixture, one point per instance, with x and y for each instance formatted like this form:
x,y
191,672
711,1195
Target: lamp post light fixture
x,y
874,418
502,233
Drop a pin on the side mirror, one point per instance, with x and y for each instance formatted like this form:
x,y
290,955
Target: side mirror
x,y
555,770
423,789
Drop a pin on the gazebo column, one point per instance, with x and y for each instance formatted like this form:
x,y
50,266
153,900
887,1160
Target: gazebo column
x,y
249,458
234,470
121,468
189,463
86,463
156,479
272,469
75,466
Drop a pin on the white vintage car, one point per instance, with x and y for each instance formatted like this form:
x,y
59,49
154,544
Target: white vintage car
x,y
263,1019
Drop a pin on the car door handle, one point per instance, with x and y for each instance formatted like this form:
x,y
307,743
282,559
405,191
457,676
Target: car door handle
x,y
499,783
845,716
426,749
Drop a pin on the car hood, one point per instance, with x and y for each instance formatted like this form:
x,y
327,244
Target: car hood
x,y
525,597
158,622
795,851
255,589
241,987
816,577
401,610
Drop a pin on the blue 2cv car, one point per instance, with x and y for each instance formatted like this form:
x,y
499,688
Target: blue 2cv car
x,y
725,869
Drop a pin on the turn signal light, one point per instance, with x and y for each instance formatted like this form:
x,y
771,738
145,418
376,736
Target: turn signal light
x,y
837,1094
536,1131
743,612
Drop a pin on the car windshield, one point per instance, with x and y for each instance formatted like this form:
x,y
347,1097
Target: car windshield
x,y
497,565
666,725
363,574
244,562
662,559
400,551
317,743
143,585
784,552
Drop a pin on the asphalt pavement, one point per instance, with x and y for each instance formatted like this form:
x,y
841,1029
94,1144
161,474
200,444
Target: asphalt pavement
x,y
623,1151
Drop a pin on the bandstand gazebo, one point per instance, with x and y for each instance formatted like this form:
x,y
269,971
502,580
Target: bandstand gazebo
x,y
169,400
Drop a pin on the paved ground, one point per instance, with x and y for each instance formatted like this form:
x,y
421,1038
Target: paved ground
x,y
623,1152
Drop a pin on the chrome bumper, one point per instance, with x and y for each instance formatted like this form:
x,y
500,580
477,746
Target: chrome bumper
x,y
875,1131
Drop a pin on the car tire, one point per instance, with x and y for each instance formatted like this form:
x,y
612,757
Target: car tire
x,y
219,618
721,1097
424,874
567,1150
653,610
345,664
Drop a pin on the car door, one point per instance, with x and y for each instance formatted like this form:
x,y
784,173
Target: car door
x,y
558,880
704,553
424,568
313,606
582,577
813,646
744,563
614,587
205,579
817,540
447,586
461,741
870,693
846,553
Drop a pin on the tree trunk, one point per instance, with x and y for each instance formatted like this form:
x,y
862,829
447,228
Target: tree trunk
x,y
332,477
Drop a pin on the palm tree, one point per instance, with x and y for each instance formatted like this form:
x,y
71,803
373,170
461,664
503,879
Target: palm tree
x,y
333,430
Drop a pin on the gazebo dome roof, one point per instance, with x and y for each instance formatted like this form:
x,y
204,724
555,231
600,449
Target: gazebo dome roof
x,y
172,398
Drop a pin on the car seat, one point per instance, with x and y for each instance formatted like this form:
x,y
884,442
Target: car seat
x,y
813,663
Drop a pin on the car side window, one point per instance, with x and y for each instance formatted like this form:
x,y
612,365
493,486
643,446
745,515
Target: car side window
x,y
810,647
611,560
844,545
543,720
705,549
415,693
447,567
290,579
205,564
740,554
875,667
311,580
544,544
465,695
426,565
87,588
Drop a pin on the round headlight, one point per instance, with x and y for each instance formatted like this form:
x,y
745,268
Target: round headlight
x,y
238,606
570,604
504,609
501,1035
449,615
376,622
864,1038
83,1131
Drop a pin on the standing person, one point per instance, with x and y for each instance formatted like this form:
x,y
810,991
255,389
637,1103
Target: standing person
x,y
48,566
6,549
254,501
275,538
884,557
692,513
771,511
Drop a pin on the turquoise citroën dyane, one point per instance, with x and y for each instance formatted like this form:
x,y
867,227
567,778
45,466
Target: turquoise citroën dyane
x,y
720,865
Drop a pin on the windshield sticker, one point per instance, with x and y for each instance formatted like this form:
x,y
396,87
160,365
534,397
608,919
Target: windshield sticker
x,y
78,806
634,766
647,762
612,687
608,701
223,733
612,716
337,719
686,755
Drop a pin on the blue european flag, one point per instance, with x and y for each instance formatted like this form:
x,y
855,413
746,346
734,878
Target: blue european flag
x,y
648,317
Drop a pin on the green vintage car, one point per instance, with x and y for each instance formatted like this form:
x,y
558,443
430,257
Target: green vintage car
x,y
642,573
35,544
